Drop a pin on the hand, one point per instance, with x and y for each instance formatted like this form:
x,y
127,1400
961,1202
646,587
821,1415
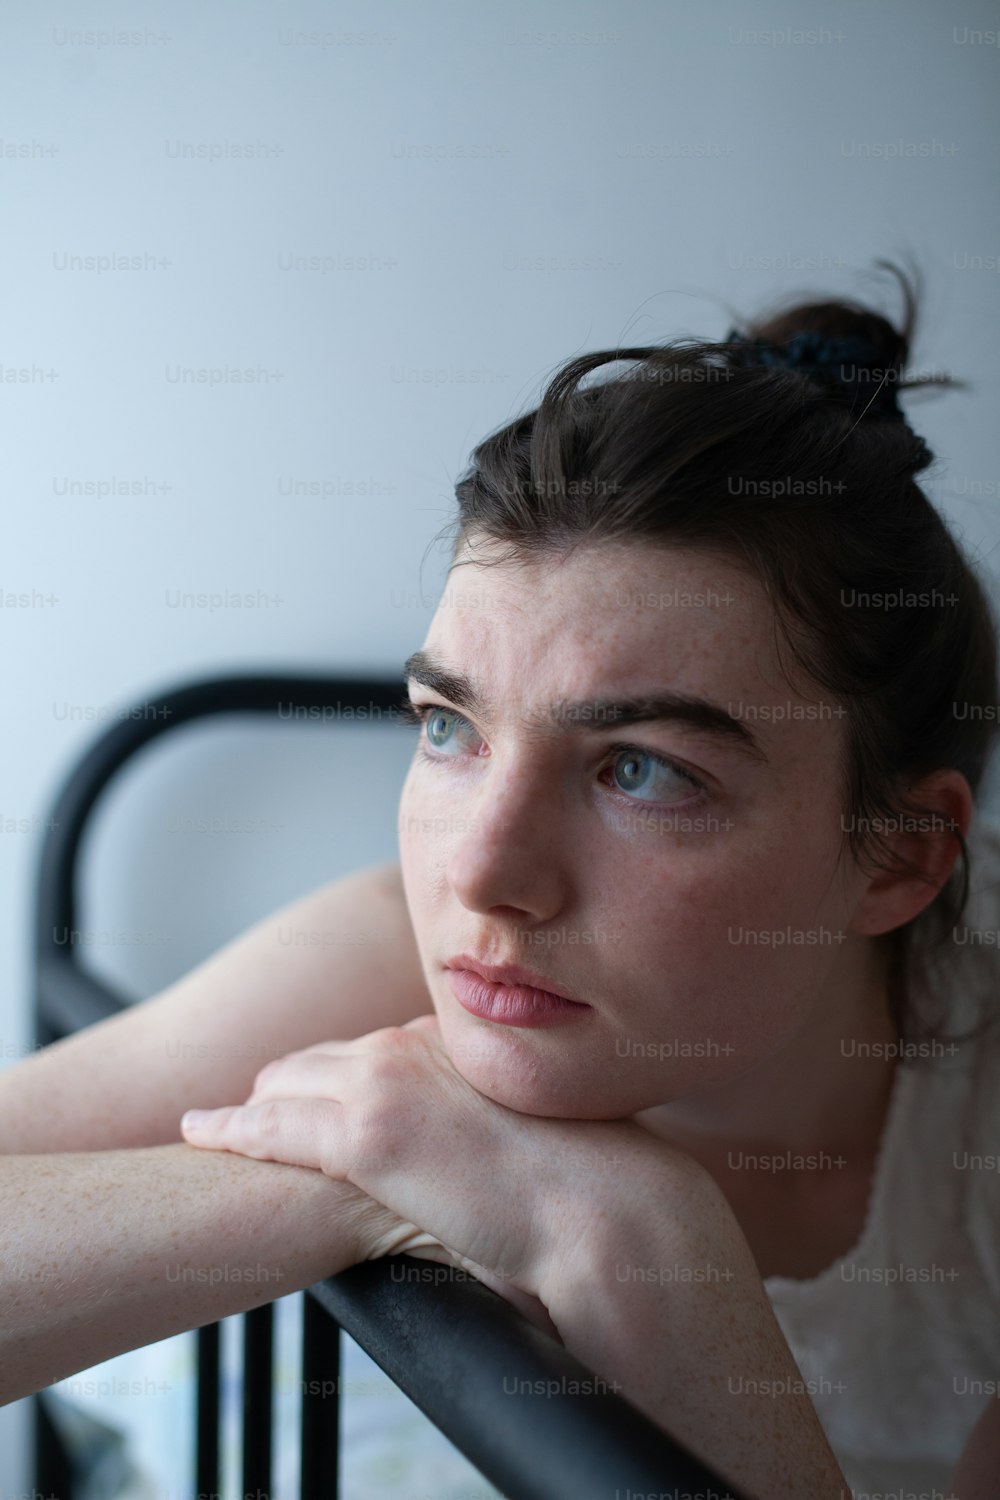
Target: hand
x,y
500,1193
368,1231
369,1113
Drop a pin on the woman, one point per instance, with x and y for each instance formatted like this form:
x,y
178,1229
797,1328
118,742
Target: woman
x,y
738,887
704,718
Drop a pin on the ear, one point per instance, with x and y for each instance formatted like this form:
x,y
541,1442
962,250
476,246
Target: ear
x,y
925,839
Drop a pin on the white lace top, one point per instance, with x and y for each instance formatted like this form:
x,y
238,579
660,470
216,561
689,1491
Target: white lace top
x,y
900,1338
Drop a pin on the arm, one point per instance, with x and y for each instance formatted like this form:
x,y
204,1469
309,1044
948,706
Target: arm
x,y
584,1222
101,1252
656,1289
126,1081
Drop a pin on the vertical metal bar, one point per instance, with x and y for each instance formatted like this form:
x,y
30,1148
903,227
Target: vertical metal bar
x,y
319,1440
258,1340
53,1466
207,1412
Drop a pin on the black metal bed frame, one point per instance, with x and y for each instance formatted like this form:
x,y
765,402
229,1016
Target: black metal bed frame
x,y
448,1345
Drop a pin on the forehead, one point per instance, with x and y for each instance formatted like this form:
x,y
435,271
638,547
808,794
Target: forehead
x,y
635,622
620,614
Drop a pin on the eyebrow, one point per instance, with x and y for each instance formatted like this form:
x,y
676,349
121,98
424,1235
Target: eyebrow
x,y
594,714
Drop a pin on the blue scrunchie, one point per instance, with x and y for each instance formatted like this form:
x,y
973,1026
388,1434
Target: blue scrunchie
x,y
845,366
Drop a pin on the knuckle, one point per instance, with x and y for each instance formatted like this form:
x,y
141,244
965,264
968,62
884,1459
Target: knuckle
x,y
265,1121
392,1038
389,1071
267,1072
384,1075
378,1140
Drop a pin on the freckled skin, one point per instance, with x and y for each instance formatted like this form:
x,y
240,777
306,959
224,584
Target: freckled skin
x,y
529,835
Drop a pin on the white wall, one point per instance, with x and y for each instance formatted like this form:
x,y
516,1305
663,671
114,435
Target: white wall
x,y
695,158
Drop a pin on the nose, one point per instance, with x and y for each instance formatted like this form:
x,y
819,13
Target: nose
x,y
509,859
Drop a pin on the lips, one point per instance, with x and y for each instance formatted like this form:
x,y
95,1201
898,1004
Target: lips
x,y
511,974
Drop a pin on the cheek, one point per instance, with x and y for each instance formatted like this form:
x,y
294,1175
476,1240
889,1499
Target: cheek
x,y
411,850
734,950
750,882
415,826
421,842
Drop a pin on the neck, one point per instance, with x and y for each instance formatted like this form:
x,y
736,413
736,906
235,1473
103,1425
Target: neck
x,y
826,1089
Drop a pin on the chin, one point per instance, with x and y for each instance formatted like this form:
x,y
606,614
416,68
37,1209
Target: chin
x,y
505,1065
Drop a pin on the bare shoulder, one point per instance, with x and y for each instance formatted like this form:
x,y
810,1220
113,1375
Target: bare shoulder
x,y
388,878
334,964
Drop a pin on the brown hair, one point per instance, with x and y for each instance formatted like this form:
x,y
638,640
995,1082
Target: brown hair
x,y
650,455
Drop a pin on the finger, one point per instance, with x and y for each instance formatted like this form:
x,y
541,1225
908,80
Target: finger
x,y
314,1070
299,1132
371,1041
428,1023
428,1029
308,1074
303,1071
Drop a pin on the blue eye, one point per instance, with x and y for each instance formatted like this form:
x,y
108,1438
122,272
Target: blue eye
x,y
658,777
437,722
636,777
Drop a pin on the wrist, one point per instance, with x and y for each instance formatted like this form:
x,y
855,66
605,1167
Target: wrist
x,y
349,1225
649,1215
659,1295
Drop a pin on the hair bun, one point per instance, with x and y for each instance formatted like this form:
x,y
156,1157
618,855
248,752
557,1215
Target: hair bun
x,y
851,367
827,340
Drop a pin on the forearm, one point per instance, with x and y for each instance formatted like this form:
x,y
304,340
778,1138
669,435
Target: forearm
x,y
662,1296
106,1251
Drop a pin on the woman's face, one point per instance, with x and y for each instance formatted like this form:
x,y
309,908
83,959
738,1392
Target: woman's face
x,y
704,925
